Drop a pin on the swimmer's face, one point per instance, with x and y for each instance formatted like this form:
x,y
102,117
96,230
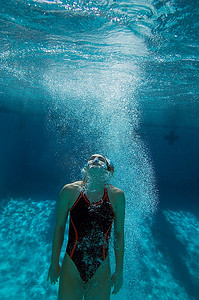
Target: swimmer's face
x,y
97,161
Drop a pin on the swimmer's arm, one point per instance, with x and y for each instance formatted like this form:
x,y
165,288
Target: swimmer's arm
x,y
117,277
62,213
119,231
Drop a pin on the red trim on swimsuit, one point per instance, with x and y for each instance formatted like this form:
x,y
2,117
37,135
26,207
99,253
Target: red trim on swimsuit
x,y
104,255
76,238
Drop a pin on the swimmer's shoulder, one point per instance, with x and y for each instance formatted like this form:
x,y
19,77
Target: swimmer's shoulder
x,y
72,187
70,192
114,190
116,196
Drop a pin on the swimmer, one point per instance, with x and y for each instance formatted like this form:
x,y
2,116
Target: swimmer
x,y
94,205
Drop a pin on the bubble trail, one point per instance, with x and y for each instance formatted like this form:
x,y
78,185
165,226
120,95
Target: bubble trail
x,y
108,117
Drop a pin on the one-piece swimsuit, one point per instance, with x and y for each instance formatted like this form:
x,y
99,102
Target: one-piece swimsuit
x,y
89,233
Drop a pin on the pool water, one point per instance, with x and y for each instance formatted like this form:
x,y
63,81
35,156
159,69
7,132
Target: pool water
x,y
113,77
166,254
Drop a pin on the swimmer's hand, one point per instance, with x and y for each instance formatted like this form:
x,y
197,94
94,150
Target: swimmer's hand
x,y
53,273
117,281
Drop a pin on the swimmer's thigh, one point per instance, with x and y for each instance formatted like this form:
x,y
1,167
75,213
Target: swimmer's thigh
x,y
99,286
70,283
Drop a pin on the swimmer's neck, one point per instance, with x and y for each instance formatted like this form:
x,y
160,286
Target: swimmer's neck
x,y
94,185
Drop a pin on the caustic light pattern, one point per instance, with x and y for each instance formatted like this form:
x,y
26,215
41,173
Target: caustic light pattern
x,y
25,228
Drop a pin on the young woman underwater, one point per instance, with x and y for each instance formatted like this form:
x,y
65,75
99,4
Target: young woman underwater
x,y
94,205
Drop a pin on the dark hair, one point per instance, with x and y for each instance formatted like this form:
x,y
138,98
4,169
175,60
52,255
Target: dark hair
x,y
110,166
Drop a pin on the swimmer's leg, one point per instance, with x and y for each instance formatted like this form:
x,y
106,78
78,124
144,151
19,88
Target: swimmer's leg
x,y
99,286
71,285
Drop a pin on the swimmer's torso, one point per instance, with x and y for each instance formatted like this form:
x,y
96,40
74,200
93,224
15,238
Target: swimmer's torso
x,y
89,233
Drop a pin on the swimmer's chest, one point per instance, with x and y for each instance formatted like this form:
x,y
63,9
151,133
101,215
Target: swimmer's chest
x,y
85,213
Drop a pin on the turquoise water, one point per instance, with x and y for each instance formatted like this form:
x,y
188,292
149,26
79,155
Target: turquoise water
x,y
25,227
113,77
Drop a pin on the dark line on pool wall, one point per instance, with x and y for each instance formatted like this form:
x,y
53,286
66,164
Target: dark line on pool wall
x,y
145,124
171,138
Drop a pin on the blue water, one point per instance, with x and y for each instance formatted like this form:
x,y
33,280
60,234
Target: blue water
x,y
113,77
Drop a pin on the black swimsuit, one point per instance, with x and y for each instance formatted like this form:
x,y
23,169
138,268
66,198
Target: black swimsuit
x,y
89,233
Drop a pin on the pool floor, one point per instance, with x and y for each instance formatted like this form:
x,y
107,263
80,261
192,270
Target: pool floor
x,y
164,266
